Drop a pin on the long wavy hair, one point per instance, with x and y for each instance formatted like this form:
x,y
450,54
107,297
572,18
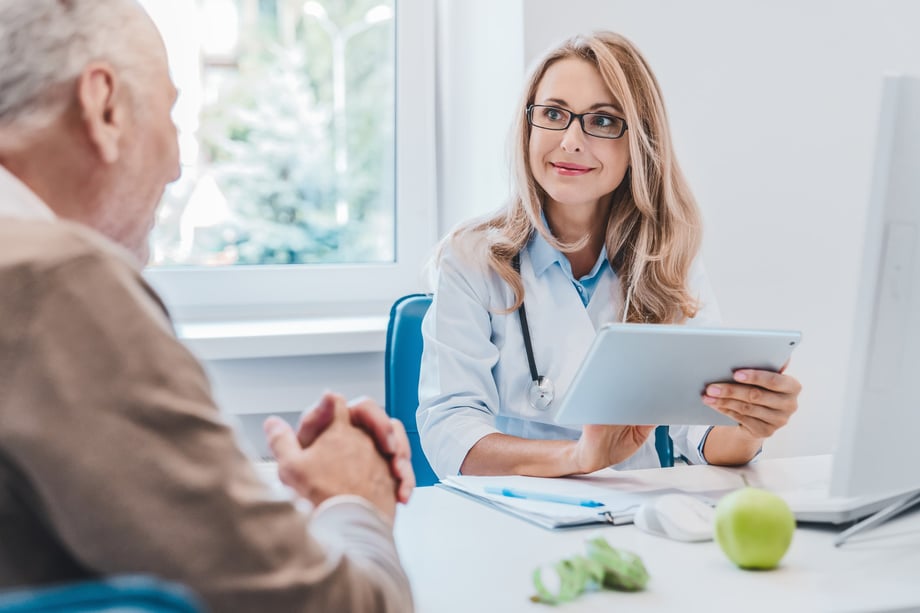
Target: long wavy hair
x,y
654,228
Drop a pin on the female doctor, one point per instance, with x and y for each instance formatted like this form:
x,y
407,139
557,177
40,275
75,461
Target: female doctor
x,y
602,227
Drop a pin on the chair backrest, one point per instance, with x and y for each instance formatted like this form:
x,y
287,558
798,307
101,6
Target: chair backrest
x,y
119,594
402,361
664,446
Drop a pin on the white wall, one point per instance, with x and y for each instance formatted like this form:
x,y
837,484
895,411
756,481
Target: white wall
x,y
773,108
278,385
480,71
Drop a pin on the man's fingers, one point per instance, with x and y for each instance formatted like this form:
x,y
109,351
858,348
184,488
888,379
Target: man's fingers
x,y
392,442
366,415
281,439
317,419
406,480
402,464
403,449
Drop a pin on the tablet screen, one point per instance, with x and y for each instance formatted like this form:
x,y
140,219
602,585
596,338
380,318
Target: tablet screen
x,y
655,374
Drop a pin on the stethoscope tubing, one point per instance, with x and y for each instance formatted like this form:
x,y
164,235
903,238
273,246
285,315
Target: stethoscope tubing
x,y
541,391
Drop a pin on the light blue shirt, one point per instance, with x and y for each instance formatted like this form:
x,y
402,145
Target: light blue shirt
x,y
474,374
545,255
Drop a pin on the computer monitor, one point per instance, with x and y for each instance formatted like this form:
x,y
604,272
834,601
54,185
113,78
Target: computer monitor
x,y
877,452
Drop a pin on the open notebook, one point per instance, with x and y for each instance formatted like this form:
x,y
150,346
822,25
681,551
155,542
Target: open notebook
x,y
531,498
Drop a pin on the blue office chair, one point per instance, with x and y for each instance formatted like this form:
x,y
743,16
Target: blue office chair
x,y
402,361
123,594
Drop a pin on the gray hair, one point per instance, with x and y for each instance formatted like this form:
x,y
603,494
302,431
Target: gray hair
x,y
45,45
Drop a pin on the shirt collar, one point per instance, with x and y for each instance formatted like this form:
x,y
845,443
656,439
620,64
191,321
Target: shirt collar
x,y
17,200
543,255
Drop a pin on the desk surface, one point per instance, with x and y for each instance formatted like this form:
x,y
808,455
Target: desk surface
x,y
462,556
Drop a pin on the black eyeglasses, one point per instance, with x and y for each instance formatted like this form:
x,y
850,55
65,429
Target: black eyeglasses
x,y
601,125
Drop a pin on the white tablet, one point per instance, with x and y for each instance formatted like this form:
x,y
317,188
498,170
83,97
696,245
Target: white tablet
x,y
656,374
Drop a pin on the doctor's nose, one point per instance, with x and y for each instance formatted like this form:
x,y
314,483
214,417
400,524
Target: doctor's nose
x,y
573,139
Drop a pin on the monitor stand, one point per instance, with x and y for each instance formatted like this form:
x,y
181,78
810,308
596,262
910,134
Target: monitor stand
x,y
899,505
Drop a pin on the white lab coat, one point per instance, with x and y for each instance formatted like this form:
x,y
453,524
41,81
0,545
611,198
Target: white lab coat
x,y
474,374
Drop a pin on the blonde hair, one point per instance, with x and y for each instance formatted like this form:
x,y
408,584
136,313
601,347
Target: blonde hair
x,y
654,230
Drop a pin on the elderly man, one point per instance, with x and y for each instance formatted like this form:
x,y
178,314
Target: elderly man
x,y
113,458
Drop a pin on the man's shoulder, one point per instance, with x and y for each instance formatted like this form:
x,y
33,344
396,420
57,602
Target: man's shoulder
x,y
39,246
45,258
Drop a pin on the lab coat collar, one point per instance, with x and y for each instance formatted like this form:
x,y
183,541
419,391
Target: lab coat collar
x,y
17,200
543,255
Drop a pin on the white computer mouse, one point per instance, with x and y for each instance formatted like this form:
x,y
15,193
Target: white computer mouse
x,y
680,517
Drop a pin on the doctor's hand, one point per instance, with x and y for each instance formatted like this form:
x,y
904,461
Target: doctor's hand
x,y
602,446
759,400
334,458
388,434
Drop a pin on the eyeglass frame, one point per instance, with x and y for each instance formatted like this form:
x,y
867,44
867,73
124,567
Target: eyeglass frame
x,y
572,117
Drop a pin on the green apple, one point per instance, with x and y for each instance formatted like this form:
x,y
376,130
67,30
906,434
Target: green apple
x,y
754,527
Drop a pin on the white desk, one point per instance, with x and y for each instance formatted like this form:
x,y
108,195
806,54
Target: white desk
x,y
462,556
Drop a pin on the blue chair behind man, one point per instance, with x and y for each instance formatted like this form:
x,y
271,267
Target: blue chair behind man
x,y
403,358
121,594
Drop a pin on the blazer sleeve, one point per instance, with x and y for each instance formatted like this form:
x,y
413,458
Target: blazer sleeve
x,y
135,472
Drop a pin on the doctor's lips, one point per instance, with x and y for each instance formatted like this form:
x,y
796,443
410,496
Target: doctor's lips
x,y
570,170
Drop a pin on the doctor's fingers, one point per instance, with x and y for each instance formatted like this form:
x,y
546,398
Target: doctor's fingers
x,y
776,418
720,393
773,381
316,419
755,426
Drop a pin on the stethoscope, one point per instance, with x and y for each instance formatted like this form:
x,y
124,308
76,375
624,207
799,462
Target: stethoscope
x,y
541,392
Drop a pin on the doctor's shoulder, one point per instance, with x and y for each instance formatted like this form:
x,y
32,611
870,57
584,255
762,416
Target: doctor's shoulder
x,y
466,252
464,259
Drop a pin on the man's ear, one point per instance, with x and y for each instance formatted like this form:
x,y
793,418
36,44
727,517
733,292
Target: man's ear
x,y
102,107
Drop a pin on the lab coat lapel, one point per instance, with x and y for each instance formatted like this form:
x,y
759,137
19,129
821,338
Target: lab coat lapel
x,y
568,327
605,302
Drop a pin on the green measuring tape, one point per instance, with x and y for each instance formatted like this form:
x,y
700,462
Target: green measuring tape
x,y
602,567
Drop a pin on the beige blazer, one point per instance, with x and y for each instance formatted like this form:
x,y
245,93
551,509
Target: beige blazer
x,y
113,458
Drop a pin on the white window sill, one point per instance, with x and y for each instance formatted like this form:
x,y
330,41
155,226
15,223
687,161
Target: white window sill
x,y
229,340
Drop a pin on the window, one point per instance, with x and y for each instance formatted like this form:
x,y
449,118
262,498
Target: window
x,y
307,140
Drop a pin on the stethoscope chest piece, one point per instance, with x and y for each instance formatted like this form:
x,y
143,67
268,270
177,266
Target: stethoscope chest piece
x,y
541,393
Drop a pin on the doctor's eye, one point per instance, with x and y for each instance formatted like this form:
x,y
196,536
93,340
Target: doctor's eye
x,y
554,115
603,125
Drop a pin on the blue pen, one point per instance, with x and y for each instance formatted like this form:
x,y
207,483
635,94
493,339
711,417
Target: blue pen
x,y
514,493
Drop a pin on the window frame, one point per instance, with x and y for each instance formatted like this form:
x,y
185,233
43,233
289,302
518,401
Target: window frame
x,y
322,290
